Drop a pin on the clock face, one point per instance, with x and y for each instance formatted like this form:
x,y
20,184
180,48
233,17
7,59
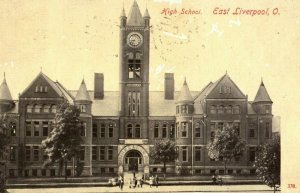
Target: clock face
x,y
134,39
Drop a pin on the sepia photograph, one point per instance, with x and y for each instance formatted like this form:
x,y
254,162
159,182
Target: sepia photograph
x,y
149,96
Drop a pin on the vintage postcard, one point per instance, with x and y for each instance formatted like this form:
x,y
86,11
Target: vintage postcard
x,y
149,96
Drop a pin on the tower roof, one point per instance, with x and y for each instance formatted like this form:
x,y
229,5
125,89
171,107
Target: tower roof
x,y
123,14
4,91
185,94
82,94
135,17
262,94
146,14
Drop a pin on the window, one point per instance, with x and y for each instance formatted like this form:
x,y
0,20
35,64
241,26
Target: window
x,y
29,109
212,109
110,130
212,130
252,154
133,103
35,153
13,128
95,130
172,131
82,153
236,127
110,153
102,153
45,108
36,129
137,131
94,153
197,153
102,170
53,109
177,109
220,125
129,131
184,127
267,131
164,131
43,171
45,129
236,109
36,108
221,109
83,108
27,153
268,109
83,129
184,154
12,153
28,128
184,109
102,130
156,130
52,172
229,109
34,172
134,65
37,89
111,170
251,131
197,130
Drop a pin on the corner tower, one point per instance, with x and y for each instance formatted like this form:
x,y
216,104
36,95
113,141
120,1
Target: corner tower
x,y
134,72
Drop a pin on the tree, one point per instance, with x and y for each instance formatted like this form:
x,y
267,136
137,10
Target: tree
x,y
64,140
164,151
4,143
226,145
267,162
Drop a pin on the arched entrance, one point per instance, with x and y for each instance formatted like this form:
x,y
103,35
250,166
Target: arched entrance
x,y
133,160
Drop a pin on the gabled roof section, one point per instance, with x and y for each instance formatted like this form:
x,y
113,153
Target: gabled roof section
x,y
4,91
185,94
262,94
54,89
135,17
82,94
225,88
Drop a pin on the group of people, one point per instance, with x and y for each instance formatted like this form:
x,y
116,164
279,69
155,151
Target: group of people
x,y
138,182
216,180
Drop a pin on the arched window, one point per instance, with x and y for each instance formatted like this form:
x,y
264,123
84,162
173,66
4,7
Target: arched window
x,y
221,109
229,109
36,108
13,128
137,131
129,131
53,109
212,109
236,109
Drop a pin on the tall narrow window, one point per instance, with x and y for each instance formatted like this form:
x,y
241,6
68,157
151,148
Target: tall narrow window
x,y
184,154
156,130
137,131
236,127
36,129
212,109
267,132
95,130
133,103
82,153
83,108
83,129
252,154
197,130
164,131
27,153
184,128
134,65
197,153
184,109
102,153
110,153
110,130
36,153
94,153
268,109
45,128
129,131
12,153
129,103
13,128
138,98
102,130
172,131
251,131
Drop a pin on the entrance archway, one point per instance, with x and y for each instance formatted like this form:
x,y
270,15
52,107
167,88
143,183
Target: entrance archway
x,y
133,159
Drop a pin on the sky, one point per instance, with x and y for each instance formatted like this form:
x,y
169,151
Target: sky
x,y
72,39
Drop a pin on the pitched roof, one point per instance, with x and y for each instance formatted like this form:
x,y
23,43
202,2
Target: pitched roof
x,y
146,14
262,94
135,17
82,94
4,91
185,94
123,14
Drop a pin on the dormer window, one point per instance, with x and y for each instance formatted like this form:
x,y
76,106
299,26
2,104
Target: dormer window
x,y
268,109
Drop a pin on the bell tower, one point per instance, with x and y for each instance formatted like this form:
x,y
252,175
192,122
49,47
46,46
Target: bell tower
x,y
134,72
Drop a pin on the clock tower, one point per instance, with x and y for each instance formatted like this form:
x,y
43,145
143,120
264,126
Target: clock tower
x,y
134,73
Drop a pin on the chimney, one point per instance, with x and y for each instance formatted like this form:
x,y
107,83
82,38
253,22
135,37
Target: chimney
x,y
169,86
99,86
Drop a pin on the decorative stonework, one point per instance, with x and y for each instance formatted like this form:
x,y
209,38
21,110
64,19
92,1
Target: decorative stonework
x,y
133,147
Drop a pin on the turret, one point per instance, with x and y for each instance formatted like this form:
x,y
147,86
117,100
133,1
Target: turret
x,y
123,18
83,99
184,103
146,18
6,101
262,103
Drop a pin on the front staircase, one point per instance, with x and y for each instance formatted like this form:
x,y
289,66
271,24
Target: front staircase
x,y
129,175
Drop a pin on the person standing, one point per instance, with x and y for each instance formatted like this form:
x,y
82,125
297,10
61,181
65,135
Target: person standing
x,y
156,181
151,179
142,181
